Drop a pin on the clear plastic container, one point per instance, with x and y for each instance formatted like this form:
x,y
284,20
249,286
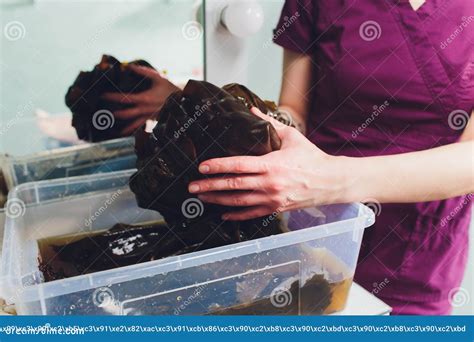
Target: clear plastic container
x,y
276,275
81,160
86,159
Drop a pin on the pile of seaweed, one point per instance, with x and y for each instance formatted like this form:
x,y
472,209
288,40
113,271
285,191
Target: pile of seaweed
x,y
92,116
198,123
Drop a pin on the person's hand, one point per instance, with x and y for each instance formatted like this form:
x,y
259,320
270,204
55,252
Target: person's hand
x,y
145,104
298,175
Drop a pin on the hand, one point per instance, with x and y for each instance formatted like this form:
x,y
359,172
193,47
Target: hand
x,y
145,104
298,175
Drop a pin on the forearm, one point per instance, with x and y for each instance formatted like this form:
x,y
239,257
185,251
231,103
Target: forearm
x,y
434,174
296,83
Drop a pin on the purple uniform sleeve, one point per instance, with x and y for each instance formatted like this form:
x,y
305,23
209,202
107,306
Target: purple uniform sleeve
x,y
296,28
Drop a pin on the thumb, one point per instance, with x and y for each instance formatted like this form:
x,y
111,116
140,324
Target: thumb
x,y
280,127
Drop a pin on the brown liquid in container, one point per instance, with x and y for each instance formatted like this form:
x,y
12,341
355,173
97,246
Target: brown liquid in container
x,y
315,295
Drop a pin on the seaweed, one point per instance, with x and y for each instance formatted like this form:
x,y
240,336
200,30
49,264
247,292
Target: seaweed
x,y
92,116
199,123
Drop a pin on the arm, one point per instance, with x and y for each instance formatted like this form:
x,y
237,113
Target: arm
x,y
468,133
434,174
295,86
300,175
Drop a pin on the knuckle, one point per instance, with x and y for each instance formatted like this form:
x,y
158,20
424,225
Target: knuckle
x,y
276,186
279,171
239,202
205,186
234,183
239,166
238,182
278,200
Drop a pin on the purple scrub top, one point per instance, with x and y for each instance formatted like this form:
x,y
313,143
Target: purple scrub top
x,y
386,80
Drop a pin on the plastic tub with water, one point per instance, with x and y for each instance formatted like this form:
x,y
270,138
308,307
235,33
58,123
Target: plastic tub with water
x,y
306,271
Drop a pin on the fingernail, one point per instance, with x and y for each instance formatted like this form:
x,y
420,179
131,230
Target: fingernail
x,y
202,197
204,168
193,188
225,216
